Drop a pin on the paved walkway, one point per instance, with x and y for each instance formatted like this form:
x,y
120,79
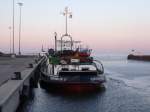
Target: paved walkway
x,y
9,65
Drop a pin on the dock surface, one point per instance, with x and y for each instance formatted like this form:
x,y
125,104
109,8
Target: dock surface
x,y
10,65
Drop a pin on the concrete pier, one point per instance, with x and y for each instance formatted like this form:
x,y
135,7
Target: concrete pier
x,y
10,65
13,86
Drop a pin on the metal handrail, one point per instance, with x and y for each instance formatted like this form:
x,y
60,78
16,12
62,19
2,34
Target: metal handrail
x,y
102,68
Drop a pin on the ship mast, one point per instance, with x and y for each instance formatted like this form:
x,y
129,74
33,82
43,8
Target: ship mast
x,y
67,14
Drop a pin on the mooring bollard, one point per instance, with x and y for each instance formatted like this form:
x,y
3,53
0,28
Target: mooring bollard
x,y
30,65
17,76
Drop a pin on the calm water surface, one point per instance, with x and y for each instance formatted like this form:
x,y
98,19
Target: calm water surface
x,y
128,90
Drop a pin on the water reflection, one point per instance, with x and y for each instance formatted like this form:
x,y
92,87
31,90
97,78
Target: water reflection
x,y
47,101
117,98
127,85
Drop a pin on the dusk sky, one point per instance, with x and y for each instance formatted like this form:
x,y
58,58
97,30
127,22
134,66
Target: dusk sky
x,y
107,26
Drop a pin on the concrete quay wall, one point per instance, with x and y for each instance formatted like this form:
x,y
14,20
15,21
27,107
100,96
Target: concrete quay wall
x,y
13,89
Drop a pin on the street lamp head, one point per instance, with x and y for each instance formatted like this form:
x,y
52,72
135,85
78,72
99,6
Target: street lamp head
x,y
20,4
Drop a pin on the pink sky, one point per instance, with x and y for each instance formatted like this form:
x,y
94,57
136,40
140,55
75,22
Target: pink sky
x,y
106,26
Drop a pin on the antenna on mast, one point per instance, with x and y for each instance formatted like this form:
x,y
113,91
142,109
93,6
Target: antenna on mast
x,y
67,14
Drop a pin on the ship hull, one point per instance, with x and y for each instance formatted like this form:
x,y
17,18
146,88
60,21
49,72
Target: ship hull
x,y
71,87
68,86
139,57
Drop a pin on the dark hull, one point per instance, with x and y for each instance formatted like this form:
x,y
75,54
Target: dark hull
x,y
139,57
71,86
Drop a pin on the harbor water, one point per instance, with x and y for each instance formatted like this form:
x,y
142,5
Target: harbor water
x,y
127,90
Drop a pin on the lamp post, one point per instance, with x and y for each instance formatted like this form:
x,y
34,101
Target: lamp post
x,y
10,38
13,52
20,5
55,41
